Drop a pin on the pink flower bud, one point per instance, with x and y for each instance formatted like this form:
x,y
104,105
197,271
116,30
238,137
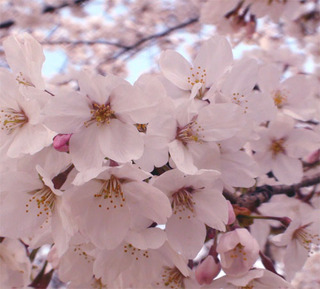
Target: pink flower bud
x,y
207,270
313,157
231,214
61,142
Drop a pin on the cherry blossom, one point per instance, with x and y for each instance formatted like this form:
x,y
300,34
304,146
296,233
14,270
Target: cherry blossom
x,y
256,278
280,148
192,199
207,270
299,238
117,196
238,251
206,68
15,265
103,119
130,184
293,96
25,57
22,131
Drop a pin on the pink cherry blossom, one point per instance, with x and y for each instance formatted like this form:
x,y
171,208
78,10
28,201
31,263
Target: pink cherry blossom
x,y
238,251
196,201
207,270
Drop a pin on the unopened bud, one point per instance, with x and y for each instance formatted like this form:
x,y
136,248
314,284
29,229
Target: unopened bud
x,y
285,221
61,142
313,157
207,270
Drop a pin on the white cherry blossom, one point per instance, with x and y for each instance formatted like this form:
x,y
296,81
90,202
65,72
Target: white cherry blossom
x,y
102,121
280,148
106,206
196,201
238,251
213,59
300,239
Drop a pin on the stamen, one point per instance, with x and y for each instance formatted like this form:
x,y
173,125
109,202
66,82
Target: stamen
x,y
135,252
22,80
100,114
11,119
78,250
45,201
238,252
182,200
112,193
198,75
277,146
280,98
247,286
141,127
240,99
172,278
306,238
190,133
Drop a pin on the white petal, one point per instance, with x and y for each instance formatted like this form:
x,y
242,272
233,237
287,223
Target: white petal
x,y
175,68
182,157
85,149
151,238
186,236
146,200
287,170
220,121
211,208
67,113
120,142
215,55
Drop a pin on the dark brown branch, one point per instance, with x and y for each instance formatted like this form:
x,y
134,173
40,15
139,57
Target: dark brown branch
x,y
153,36
84,42
46,9
6,24
51,8
263,194
60,179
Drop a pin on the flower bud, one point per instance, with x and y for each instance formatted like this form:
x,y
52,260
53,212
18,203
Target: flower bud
x,y
207,270
61,142
231,214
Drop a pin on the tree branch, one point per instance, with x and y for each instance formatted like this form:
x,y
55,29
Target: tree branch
x,y
46,9
263,194
84,42
153,36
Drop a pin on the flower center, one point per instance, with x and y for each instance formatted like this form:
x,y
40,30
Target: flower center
x,y
238,251
247,286
306,238
198,75
182,200
112,193
277,146
100,114
141,127
44,201
97,284
279,98
135,252
190,133
172,278
10,119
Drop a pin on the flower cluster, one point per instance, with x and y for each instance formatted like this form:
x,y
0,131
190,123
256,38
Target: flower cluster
x,y
128,181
